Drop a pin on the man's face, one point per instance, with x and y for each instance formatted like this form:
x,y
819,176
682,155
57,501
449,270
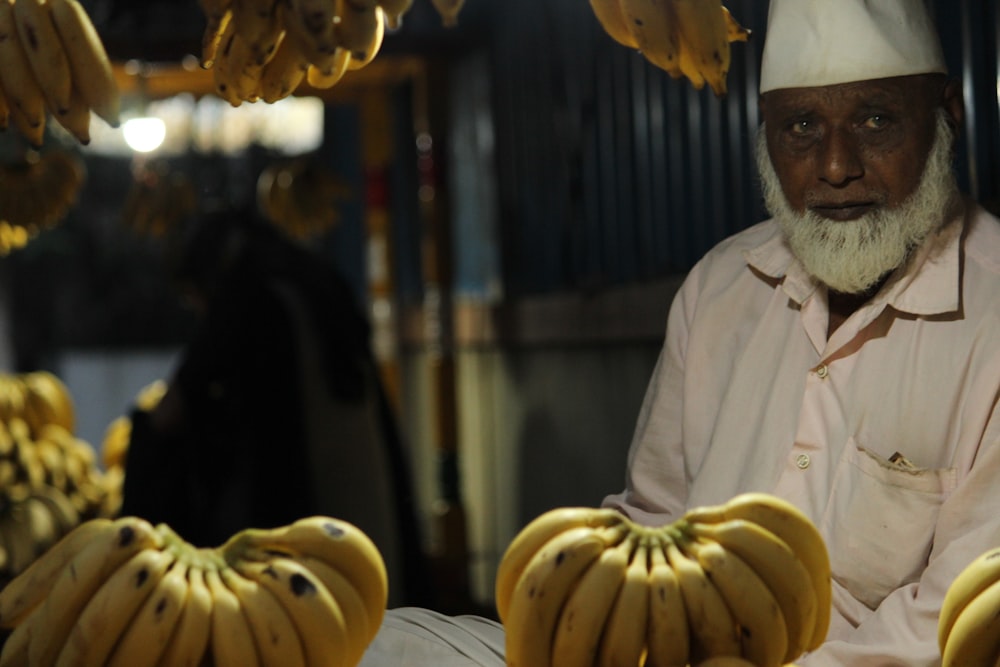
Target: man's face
x,y
846,150
857,175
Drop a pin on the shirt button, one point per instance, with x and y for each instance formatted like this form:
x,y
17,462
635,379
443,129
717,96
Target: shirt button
x,y
802,461
822,371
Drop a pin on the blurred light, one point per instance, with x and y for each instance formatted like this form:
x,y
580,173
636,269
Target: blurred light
x,y
291,126
144,135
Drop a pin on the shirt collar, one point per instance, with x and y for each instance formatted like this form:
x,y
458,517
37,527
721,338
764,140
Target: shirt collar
x,y
928,284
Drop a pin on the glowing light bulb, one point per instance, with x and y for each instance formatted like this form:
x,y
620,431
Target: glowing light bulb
x,y
144,135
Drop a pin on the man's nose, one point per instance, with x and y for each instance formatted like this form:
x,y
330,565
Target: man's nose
x,y
840,159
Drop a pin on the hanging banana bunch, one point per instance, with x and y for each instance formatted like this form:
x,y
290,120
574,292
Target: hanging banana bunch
x,y
159,199
685,38
36,193
265,49
300,197
53,64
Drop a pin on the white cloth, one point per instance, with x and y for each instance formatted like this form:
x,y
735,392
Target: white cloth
x,y
416,637
749,394
826,42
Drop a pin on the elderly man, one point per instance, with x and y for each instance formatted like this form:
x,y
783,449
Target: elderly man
x,y
845,354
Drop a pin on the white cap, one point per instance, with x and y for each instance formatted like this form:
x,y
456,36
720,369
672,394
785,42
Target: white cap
x,y
827,42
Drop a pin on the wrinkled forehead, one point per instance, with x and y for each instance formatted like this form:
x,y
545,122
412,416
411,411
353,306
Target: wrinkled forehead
x,y
898,95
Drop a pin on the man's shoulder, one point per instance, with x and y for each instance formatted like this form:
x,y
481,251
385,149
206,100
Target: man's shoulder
x,y
744,240
982,239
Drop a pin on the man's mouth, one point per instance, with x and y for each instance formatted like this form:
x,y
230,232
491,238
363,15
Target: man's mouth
x,y
843,211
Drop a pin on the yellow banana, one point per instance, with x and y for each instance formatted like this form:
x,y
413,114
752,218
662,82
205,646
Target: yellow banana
x,y
189,643
610,15
89,63
231,639
624,638
654,30
791,526
274,634
714,631
15,647
63,513
319,618
538,532
763,632
362,57
583,617
23,91
106,615
328,75
667,638
52,391
311,23
283,73
148,632
976,577
975,635
728,661
211,39
702,26
257,24
394,12
81,576
76,118
45,52
225,74
778,566
358,29
338,543
543,588
351,604
18,538
734,31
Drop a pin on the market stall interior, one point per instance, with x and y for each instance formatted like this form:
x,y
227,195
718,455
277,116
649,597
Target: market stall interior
x,y
511,195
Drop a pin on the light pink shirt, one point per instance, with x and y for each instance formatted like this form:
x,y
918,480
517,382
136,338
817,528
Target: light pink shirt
x,y
748,394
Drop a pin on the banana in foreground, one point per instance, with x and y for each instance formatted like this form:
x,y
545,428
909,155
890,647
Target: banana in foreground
x,y
728,584
125,592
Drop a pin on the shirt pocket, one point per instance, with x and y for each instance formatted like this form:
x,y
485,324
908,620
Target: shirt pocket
x,y
879,524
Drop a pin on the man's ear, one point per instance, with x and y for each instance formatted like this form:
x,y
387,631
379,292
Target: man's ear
x,y
954,103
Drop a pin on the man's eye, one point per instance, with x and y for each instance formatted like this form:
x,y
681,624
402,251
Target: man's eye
x,y
800,127
876,122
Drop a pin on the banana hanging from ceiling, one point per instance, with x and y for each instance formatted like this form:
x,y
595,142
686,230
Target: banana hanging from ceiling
x,y
685,38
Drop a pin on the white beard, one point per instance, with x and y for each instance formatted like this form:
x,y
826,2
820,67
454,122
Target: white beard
x,y
852,256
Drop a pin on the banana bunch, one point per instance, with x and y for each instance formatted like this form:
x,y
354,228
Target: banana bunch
x,y
158,200
969,624
123,592
301,197
587,587
54,458
39,398
36,193
53,63
685,38
264,49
